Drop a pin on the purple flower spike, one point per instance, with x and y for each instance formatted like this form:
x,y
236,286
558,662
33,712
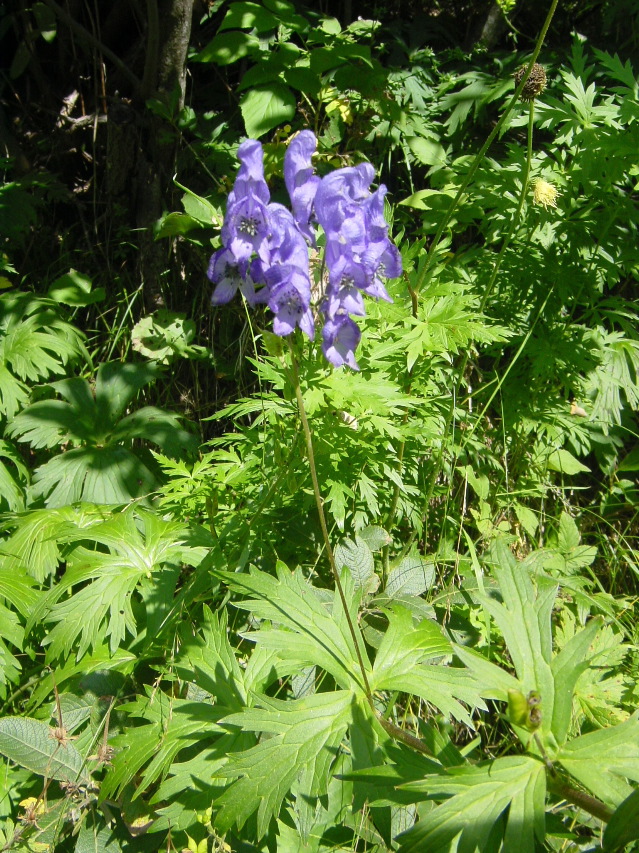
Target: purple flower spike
x,y
286,244
341,337
301,180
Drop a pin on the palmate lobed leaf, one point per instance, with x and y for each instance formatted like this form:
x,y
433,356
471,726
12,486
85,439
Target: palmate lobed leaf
x,y
51,423
402,660
320,634
174,724
603,760
306,737
35,343
141,544
40,535
478,797
101,475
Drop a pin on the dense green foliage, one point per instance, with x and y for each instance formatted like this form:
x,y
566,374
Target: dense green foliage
x,y
188,661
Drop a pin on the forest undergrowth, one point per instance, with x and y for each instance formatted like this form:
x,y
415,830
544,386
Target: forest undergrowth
x,y
319,380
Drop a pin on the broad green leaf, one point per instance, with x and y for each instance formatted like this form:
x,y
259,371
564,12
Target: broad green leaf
x,y
117,384
429,199
40,535
200,208
101,475
375,537
400,659
12,478
406,645
623,826
170,226
568,535
478,797
140,544
305,738
430,152
146,752
227,48
31,744
602,760
630,462
209,660
95,665
245,15
494,681
566,668
159,427
265,107
411,576
75,710
524,619
49,423
95,836
445,687
357,557
75,289
35,343
563,461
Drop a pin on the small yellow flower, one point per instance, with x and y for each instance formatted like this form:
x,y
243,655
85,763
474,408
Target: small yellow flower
x,y
545,193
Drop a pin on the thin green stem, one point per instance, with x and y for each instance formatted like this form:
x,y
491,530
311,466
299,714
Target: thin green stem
x,y
579,798
423,277
390,728
485,297
322,519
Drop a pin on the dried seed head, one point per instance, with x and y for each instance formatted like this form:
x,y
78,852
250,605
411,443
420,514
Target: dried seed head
x,y
534,85
544,193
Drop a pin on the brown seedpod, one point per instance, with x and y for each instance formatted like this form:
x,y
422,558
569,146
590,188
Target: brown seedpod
x,y
534,85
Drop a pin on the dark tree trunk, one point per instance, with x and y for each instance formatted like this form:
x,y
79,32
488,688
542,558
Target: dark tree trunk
x,y
493,28
142,147
169,30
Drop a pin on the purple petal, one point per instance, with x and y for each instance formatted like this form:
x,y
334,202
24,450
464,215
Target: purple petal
x,y
341,337
227,273
340,194
301,180
291,309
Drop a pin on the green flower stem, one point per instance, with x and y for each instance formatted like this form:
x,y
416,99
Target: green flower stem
x,y
423,277
485,297
579,798
322,519
390,728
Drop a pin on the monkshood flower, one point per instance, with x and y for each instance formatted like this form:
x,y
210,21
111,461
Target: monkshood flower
x,y
286,279
301,180
359,254
340,194
341,335
246,227
290,300
229,275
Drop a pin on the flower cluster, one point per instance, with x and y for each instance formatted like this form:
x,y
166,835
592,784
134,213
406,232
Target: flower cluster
x,y
265,255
